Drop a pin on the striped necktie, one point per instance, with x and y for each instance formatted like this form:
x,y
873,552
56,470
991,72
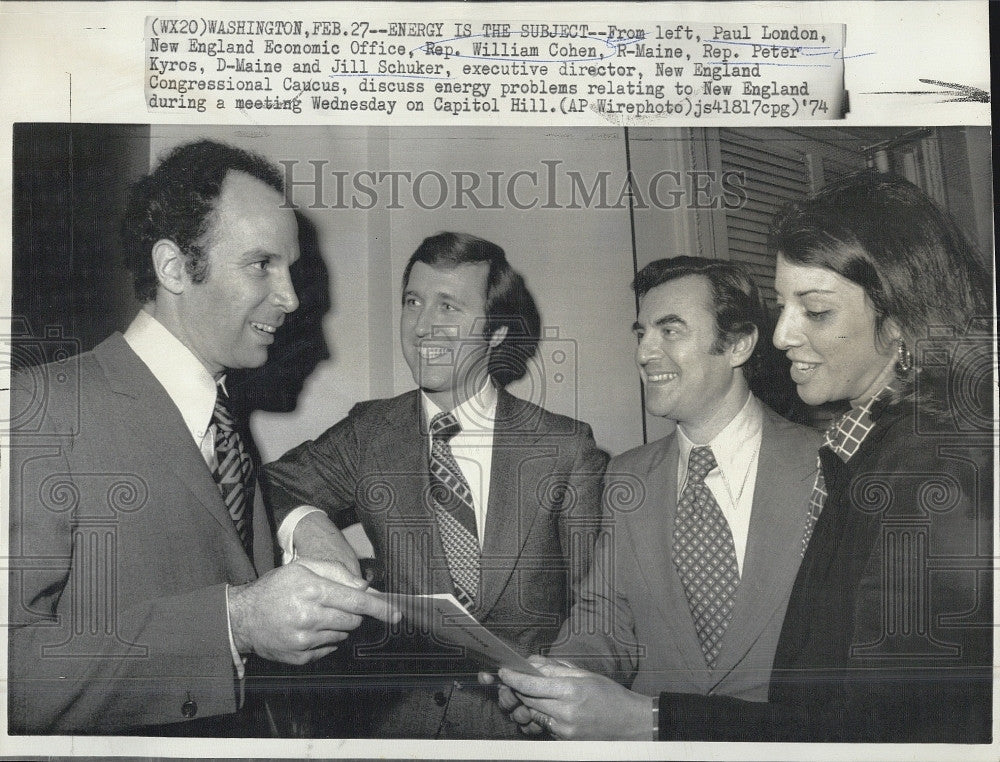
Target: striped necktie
x,y
233,471
454,510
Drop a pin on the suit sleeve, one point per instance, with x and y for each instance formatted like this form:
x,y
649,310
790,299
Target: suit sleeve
x,y
599,633
81,660
321,473
581,519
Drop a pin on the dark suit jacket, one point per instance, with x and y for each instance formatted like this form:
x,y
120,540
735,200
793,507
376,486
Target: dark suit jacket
x,y
121,549
633,621
888,635
542,515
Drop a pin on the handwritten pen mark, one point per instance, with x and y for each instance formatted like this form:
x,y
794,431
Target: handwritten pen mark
x,y
609,42
965,93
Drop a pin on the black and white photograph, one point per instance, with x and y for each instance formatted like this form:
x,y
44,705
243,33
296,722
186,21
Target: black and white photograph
x,y
780,281
476,440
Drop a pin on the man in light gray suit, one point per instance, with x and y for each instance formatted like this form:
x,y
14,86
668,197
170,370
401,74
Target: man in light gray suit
x,y
143,594
703,529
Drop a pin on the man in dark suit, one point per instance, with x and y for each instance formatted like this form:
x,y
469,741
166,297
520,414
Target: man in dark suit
x,y
703,530
143,594
461,487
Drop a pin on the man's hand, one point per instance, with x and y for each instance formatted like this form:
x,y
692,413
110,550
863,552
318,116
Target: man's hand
x,y
297,612
318,538
575,704
512,705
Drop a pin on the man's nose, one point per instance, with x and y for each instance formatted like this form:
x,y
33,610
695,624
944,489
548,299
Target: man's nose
x,y
648,349
283,294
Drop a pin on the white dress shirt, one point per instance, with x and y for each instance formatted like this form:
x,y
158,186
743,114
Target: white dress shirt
x,y
472,448
737,451
192,389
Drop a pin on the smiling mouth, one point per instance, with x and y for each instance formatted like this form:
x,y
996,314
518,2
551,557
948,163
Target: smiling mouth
x,y
264,327
660,378
805,366
438,355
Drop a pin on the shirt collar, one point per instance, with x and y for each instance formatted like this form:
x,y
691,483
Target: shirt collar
x,y
476,415
729,446
187,382
846,434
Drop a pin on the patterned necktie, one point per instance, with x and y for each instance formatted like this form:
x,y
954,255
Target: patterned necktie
x,y
233,471
705,555
844,436
454,510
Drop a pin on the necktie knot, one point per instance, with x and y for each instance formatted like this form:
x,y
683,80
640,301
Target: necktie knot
x,y
700,463
222,416
444,426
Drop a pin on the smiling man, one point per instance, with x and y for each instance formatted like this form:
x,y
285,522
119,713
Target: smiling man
x,y
692,573
143,594
461,487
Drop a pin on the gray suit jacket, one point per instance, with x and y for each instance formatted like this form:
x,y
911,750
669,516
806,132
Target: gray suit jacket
x,y
121,548
542,516
633,621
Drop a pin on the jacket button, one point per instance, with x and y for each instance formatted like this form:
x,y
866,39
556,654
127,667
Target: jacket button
x,y
189,709
440,699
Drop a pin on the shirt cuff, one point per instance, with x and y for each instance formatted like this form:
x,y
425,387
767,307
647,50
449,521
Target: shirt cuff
x,y
287,530
238,661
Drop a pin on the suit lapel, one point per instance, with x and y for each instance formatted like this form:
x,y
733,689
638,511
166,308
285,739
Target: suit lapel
x,y
512,507
773,542
417,563
155,427
653,542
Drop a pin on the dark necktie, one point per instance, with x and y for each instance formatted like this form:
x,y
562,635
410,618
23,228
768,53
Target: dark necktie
x,y
454,510
705,555
233,471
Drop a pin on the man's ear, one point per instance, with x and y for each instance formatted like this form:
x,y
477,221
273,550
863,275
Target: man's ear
x,y
168,263
497,337
741,349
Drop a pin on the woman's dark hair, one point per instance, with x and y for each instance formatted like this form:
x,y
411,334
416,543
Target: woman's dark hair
x,y
915,265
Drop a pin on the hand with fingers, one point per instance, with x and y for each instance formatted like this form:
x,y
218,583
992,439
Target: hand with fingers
x,y
511,704
574,704
299,612
318,538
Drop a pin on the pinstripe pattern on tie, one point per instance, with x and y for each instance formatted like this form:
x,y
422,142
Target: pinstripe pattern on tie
x,y
705,555
454,510
233,472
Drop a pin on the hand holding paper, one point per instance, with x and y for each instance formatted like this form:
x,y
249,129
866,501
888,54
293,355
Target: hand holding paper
x,y
447,621
572,703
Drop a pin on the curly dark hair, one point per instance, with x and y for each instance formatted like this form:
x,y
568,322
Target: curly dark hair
x,y
176,201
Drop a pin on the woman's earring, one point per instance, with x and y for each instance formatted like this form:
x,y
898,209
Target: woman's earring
x,y
904,359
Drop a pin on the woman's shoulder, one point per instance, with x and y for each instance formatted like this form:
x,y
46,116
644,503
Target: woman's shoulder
x,y
913,468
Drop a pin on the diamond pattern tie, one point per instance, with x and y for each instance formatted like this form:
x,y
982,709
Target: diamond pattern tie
x,y
454,510
233,471
705,555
